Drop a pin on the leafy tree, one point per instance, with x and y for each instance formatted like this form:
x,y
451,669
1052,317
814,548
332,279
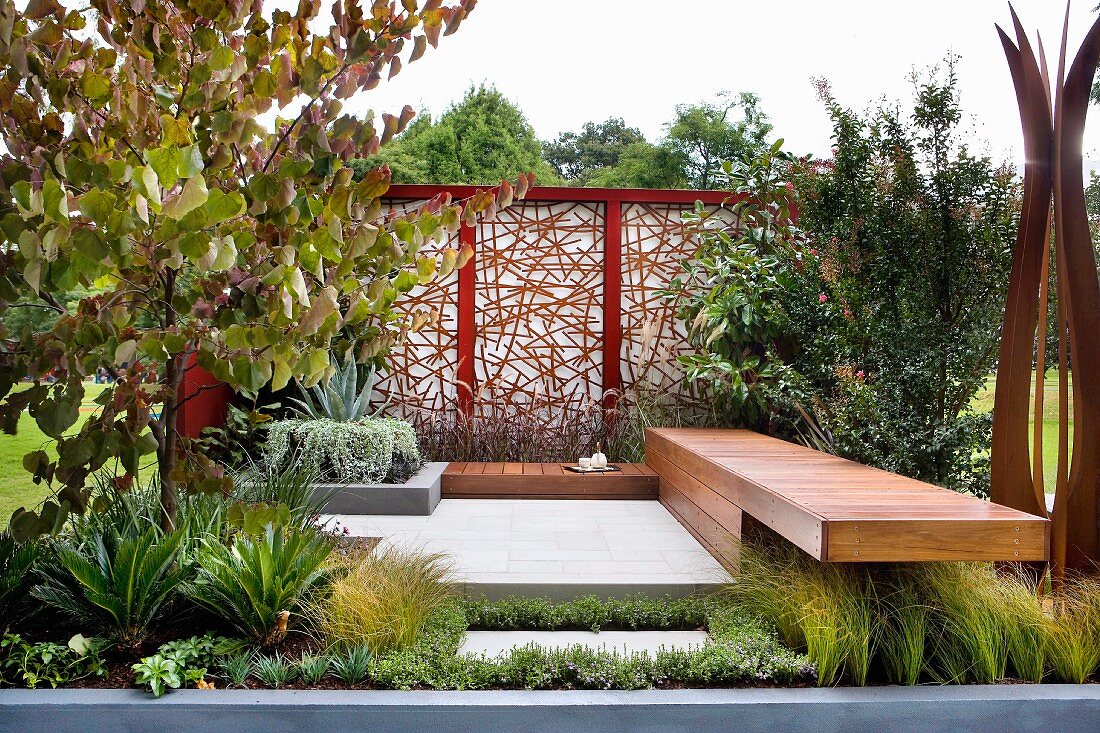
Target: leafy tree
x,y
704,135
136,161
480,140
579,156
643,165
690,155
898,312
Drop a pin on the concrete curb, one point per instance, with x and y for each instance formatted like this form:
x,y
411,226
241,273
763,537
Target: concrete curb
x,y
419,496
996,709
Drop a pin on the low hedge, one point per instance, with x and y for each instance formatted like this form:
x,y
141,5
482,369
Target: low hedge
x,y
740,651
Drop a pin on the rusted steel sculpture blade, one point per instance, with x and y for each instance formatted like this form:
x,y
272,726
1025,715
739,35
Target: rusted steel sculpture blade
x,y
1010,469
1053,141
1076,508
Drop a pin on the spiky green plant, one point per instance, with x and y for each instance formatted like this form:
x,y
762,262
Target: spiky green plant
x,y
114,585
255,579
237,668
16,561
312,668
352,666
292,485
274,670
340,398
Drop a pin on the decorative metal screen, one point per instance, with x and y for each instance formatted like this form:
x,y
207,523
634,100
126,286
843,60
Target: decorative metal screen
x,y
423,369
538,306
561,299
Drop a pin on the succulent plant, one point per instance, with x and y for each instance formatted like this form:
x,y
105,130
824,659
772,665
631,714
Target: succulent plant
x,y
340,398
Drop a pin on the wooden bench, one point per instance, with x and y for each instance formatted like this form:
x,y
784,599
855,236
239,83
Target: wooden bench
x,y
720,483
546,481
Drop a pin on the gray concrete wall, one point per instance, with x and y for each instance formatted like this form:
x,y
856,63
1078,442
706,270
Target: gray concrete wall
x,y
981,709
419,496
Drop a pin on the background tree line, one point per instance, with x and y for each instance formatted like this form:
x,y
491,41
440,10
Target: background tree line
x,y
484,137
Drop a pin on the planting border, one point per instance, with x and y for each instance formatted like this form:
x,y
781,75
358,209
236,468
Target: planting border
x,y
996,708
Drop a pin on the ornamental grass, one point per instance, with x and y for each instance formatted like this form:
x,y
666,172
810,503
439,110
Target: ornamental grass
x,y
381,599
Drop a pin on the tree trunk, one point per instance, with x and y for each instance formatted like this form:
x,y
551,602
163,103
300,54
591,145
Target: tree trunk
x,y
166,462
168,449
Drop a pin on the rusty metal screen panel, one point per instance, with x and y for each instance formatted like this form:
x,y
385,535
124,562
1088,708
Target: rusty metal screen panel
x,y
538,307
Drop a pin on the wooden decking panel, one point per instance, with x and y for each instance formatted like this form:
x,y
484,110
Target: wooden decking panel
x,y
545,481
834,509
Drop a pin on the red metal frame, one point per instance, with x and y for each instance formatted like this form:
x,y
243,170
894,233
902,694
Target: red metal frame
x,y
612,300
613,200
467,328
565,193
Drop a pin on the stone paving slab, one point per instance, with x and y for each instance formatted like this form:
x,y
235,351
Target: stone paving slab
x,y
493,643
554,548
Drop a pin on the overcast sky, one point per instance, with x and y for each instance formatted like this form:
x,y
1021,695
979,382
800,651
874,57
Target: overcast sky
x,y
566,62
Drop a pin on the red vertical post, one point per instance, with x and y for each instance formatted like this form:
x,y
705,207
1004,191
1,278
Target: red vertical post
x,y
467,280
612,300
204,401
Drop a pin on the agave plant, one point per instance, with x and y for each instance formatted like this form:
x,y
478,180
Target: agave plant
x,y
340,398
116,585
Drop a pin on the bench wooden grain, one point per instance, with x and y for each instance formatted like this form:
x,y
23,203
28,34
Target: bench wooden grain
x,y
546,481
719,482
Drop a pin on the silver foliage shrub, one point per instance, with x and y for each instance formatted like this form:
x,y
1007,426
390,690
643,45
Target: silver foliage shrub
x,y
364,451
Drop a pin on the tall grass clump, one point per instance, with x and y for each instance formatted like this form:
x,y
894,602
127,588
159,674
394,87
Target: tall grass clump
x,y
381,600
823,608
901,629
1072,631
904,624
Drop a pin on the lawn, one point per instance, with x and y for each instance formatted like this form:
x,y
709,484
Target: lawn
x,y
16,487
984,401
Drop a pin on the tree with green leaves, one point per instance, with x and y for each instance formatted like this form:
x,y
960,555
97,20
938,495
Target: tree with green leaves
x,y
897,313
579,156
139,162
479,140
698,140
704,135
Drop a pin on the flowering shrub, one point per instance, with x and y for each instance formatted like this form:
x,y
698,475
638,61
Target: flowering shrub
x,y
896,314
375,450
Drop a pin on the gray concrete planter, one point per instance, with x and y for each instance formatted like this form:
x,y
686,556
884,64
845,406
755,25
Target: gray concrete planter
x,y
997,709
418,496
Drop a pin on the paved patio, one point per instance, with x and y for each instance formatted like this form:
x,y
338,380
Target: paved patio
x,y
557,549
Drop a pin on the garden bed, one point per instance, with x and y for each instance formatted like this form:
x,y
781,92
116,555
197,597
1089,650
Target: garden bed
x,y
419,496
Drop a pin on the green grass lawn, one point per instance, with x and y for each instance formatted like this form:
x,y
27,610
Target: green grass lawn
x,y
16,487
984,401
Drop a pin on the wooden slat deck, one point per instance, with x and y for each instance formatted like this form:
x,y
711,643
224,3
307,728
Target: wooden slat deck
x,y
546,481
718,481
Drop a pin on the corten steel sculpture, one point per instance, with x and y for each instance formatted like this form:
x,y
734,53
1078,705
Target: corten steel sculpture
x,y
1053,138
